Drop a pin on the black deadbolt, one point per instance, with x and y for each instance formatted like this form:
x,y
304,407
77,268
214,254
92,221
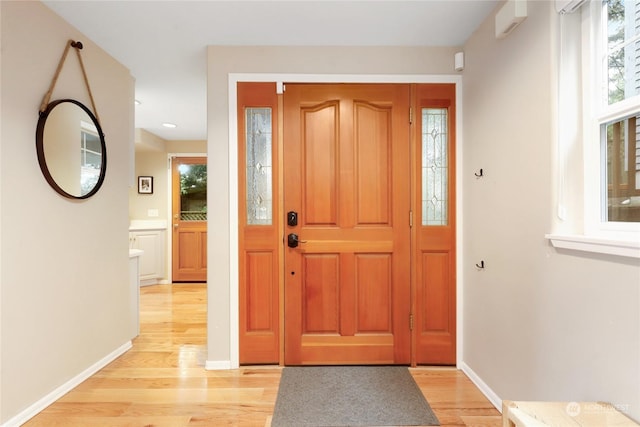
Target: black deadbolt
x,y
292,218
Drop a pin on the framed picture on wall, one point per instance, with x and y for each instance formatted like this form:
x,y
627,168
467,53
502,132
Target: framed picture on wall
x,y
145,184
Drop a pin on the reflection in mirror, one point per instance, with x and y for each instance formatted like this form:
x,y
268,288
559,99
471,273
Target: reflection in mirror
x,y
71,149
90,157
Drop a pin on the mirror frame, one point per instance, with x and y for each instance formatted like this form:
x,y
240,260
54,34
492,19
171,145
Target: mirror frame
x,y
40,149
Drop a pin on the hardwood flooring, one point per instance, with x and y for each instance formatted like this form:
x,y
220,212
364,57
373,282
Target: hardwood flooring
x,y
161,381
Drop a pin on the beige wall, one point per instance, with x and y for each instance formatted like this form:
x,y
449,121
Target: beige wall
x,y
150,160
223,60
150,163
539,323
64,266
186,147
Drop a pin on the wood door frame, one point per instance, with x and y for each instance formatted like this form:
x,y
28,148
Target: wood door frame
x,y
234,78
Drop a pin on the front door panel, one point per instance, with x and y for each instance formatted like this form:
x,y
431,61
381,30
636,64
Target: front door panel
x,y
347,175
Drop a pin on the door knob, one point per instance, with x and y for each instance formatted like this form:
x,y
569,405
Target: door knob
x,y
292,240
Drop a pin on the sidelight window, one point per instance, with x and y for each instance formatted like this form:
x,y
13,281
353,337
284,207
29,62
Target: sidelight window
x,y
435,166
258,137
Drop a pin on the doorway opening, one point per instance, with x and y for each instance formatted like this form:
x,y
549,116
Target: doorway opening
x,y
438,262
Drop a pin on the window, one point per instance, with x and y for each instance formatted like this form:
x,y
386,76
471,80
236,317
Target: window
x,y
609,136
435,166
623,170
618,55
193,189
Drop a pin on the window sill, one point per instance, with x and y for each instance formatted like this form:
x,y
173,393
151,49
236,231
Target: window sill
x,y
625,248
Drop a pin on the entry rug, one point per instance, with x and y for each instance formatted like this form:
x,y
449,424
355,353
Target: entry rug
x,y
340,396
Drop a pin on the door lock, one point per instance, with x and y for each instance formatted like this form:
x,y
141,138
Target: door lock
x,y
292,218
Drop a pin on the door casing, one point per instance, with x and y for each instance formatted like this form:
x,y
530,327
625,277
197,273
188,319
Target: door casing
x,y
233,184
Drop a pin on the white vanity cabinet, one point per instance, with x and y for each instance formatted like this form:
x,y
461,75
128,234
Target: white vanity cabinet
x,y
152,242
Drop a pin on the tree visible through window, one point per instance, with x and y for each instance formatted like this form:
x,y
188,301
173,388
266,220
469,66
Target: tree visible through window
x,y
193,192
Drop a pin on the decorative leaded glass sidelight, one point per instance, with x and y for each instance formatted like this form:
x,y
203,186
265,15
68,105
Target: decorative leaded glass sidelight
x,y
435,166
259,166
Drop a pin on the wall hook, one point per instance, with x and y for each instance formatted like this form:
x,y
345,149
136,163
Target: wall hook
x,y
479,175
481,265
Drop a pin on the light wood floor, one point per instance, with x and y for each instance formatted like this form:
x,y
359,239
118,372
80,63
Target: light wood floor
x,y
161,381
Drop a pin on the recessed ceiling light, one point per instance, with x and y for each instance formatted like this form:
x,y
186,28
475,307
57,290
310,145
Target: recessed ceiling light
x,y
170,125
137,102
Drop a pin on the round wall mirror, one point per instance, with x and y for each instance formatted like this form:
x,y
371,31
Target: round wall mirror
x,y
71,149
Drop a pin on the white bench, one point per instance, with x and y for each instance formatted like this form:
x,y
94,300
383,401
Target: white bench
x,y
563,414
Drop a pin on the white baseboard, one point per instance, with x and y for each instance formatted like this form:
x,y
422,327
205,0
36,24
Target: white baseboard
x,y
217,365
484,388
56,394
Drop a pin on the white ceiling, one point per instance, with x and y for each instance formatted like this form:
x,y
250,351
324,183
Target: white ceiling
x,y
163,43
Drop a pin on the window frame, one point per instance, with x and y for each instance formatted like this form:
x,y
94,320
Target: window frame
x,y
597,113
596,236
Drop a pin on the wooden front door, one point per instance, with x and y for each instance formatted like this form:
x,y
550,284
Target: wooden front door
x,y
347,179
189,219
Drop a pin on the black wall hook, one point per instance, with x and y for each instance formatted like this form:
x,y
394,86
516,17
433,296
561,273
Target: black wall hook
x,y
479,175
481,265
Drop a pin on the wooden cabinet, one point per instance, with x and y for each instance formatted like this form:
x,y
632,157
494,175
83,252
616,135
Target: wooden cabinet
x,y
152,261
